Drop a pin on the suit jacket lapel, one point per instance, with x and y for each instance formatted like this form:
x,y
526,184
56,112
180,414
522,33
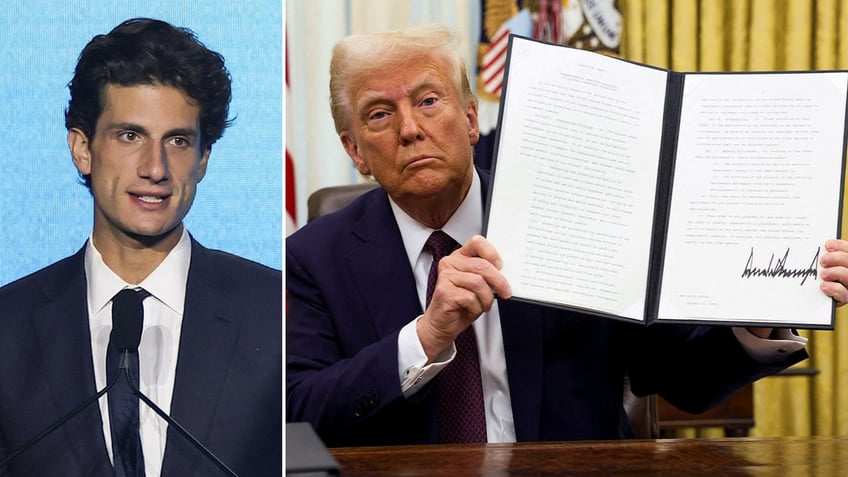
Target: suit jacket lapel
x,y
62,330
207,340
387,289
522,326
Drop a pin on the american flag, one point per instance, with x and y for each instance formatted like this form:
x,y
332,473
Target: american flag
x,y
291,209
494,61
495,58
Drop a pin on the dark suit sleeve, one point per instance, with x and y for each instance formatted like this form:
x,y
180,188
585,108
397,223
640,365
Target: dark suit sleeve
x,y
339,372
695,367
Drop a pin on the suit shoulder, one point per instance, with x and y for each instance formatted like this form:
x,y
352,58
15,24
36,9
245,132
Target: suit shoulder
x,y
328,230
40,282
236,267
238,264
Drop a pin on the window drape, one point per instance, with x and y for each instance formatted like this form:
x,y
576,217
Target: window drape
x,y
760,35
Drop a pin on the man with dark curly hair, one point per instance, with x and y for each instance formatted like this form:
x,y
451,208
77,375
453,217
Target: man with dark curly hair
x,y
148,101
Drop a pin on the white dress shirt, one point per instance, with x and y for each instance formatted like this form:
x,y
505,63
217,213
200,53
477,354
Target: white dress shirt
x,y
466,222
163,315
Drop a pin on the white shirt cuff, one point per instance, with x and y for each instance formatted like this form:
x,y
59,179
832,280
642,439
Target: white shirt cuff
x,y
411,360
781,344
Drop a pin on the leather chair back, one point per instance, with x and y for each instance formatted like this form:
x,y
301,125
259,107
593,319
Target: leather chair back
x,y
330,199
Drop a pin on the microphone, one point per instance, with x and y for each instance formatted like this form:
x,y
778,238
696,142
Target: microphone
x,y
126,332
49,429
125,337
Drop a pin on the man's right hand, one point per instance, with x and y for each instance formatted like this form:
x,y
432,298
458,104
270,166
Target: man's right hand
x,y
468,281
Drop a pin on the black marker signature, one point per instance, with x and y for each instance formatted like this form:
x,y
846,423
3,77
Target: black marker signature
x,y
779,270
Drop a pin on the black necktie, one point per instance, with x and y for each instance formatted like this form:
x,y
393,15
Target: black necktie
x,y
123,403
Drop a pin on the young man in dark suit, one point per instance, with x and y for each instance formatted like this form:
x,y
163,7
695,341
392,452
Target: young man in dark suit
x,y
148,101
374,327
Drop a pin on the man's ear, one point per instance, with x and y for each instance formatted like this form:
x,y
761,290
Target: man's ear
x,y
352,149
204,161
79,145
473,123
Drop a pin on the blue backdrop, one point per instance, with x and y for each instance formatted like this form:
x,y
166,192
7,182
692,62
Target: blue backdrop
x,y
46,213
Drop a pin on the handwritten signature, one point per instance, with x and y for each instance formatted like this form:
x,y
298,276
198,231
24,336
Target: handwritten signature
x,y
779,270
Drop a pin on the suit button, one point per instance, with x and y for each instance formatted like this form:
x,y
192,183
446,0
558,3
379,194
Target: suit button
x,y
366,405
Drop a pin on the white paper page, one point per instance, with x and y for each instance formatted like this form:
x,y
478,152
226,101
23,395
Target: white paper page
x,y
755,196
572,208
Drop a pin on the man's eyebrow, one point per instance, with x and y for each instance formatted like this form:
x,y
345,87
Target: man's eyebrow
x,y
374,96
190,132
183,131
127,127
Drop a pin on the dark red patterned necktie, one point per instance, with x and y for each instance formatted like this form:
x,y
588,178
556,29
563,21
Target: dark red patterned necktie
x,y
462,417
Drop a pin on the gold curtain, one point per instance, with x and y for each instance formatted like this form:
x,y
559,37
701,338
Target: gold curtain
x,y
760,35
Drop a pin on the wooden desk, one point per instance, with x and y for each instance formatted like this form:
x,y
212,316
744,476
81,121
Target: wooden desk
x,y
664,457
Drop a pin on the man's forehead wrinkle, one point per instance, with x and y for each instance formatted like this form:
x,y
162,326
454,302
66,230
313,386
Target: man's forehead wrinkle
x,y
372,95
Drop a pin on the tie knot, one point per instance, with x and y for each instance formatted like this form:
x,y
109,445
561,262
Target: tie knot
x,y
440,244
131,295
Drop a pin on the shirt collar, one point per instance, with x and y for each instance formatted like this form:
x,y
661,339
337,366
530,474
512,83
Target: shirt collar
x,y
167,283
466,222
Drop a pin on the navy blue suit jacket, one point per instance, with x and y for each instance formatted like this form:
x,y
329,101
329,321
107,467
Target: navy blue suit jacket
x,y
228,387
350,289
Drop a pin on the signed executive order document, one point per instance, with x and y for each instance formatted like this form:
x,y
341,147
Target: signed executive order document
x,y
643,194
